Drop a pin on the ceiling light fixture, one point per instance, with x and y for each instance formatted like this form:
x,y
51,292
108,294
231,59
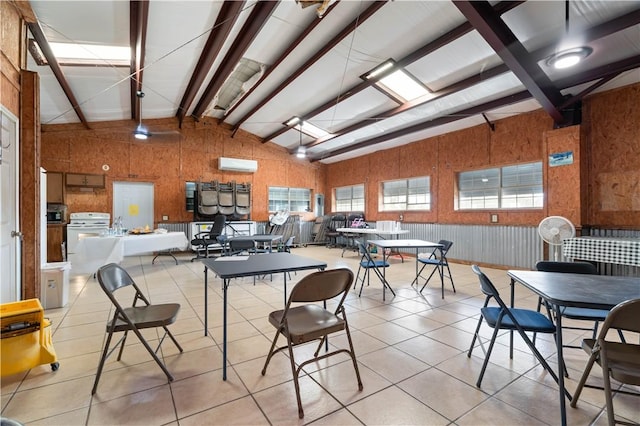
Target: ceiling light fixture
x,y
396,81
140,132
568,58
306,127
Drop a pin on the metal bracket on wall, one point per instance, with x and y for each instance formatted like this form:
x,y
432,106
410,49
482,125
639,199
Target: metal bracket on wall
x,y
490,124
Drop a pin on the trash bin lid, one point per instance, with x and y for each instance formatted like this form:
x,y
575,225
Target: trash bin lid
x,y
56,265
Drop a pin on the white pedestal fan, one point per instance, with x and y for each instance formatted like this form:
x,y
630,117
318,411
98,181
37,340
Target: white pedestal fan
x,y
553,230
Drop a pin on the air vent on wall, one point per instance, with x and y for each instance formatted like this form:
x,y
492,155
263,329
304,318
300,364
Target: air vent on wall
x,y
237,165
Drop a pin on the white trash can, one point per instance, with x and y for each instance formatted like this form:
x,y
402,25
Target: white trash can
x,y
54,284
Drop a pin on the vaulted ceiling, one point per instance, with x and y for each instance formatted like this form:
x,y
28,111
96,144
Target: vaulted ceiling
x,y
256,64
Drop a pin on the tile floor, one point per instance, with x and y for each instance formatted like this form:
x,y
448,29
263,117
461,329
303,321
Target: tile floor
x,y
411,351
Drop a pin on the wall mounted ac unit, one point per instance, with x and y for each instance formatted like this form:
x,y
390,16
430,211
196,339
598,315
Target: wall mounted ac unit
x,y
237,165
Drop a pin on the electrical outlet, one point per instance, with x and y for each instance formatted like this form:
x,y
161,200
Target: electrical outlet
x,y
165,217
401,217
494,218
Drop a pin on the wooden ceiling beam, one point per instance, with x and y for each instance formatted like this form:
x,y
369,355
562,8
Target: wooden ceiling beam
x,y
449,118
591,34
605,72
41,39
348,29
226,19
138,21
502,40
417,54
259,16
281,58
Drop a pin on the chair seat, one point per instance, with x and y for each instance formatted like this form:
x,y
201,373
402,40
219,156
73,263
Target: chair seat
x,y
374,264
308,322
622,359
431,261
529,320
148,316
585,314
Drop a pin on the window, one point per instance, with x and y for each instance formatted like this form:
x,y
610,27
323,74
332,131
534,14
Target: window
x,y
190,190
509,187
406,194
350,198
292,199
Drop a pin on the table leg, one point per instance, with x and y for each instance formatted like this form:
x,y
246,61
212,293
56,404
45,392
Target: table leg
x,y
513,295
563,407
225,284
285,289
206,305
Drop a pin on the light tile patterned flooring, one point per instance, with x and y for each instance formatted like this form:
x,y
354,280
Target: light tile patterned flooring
x,y
411,351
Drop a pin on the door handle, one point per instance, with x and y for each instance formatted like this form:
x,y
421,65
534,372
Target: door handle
x,y
16,234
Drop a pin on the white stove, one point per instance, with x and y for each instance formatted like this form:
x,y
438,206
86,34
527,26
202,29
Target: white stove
x,y
85,224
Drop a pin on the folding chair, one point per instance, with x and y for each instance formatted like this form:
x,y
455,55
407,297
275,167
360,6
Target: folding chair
x,y
619,360
204,239
502,317
113,277
207,198
310,322
367,264
437,259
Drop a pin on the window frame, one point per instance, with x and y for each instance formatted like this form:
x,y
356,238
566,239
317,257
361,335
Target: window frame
x,y
289,201
405,198
499,193
338,205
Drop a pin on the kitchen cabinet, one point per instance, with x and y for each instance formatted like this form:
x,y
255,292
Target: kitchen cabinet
x,y
55,188
55,241
84,180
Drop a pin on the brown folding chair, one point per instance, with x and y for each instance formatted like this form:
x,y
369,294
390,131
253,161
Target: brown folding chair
x,y
309,322
619,360
113,277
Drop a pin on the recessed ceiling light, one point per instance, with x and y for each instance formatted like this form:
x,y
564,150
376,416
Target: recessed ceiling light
x,y
568,58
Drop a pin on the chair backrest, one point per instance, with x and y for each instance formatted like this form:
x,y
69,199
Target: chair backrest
x,y
366,255
487,286
623,316
218,225
446,245
337,221
566,267
113,277
322,285
289,242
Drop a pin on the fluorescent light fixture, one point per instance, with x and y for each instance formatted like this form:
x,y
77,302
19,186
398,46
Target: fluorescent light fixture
x,y
306,127
568,58
397,82
94,54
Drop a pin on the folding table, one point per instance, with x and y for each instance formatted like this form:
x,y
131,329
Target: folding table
x,y
228,267
405,244
579,290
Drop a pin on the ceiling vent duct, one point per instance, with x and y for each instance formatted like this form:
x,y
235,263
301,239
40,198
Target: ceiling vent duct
x,y
237,165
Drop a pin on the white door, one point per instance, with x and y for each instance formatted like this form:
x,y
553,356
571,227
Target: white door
x,y
133,201
9,230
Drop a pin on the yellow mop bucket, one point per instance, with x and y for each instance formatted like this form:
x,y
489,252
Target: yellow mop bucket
x,y
25,337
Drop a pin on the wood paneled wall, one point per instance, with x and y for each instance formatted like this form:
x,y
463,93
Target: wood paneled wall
x,y
170,162
601,188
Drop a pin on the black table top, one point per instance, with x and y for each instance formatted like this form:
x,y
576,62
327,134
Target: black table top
x,y
259,264
579,290
259,238
404,243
